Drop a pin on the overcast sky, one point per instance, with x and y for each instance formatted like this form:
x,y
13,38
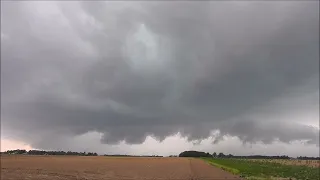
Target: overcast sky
x,y
161,77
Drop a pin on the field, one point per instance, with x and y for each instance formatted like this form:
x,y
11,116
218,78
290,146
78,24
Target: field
x,y
268,169
23,167
309,163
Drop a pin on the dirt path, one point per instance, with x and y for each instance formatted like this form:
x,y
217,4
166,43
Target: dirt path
x,y
108,168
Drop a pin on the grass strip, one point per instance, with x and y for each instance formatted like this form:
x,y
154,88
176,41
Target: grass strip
x,y
264,170
226,168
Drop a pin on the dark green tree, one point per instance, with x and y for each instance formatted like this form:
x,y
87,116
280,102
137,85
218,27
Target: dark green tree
x,y
194,154
221,155
214,154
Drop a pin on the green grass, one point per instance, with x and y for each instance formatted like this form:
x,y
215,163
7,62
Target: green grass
x,y
264,170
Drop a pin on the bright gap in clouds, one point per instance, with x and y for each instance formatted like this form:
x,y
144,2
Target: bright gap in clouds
x,y
175,144
142,49
7,144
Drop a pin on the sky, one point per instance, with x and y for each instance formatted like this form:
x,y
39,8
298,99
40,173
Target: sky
x,y
149,78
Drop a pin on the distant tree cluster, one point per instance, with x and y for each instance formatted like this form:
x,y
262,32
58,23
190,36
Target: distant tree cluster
x,y
194,154
203,154
39,152
121,155
308,158
17,151
173,156
262,157
222,155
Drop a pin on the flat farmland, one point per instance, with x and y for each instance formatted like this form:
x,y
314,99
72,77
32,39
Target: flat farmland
x,y
268,169
296,162
21,167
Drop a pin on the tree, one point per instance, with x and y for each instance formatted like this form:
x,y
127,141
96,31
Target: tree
x,y
221,155
230,156
194,154
214,154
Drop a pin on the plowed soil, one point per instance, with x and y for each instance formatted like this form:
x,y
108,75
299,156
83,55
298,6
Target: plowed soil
x,y
108,168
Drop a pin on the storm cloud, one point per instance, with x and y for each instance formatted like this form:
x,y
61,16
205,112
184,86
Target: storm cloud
x,y
129,70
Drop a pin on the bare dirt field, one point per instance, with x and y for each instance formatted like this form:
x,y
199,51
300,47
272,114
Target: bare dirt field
x,y
16,167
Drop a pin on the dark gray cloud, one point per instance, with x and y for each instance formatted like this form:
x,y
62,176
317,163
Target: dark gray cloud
x,y
130,69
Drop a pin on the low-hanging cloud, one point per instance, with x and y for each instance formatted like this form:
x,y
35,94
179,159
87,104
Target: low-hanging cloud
x,y
130,70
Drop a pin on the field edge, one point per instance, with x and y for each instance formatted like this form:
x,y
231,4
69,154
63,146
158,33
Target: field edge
x,y
235,171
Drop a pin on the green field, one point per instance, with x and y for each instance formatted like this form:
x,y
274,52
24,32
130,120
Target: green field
x,y
264,169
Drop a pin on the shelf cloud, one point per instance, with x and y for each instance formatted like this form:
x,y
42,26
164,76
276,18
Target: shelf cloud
x,y
129,70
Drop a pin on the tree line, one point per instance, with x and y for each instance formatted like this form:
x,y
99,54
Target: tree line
x,y
308,158
41,152
182,154
204,154
194,154
222,155
121,155
69,153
